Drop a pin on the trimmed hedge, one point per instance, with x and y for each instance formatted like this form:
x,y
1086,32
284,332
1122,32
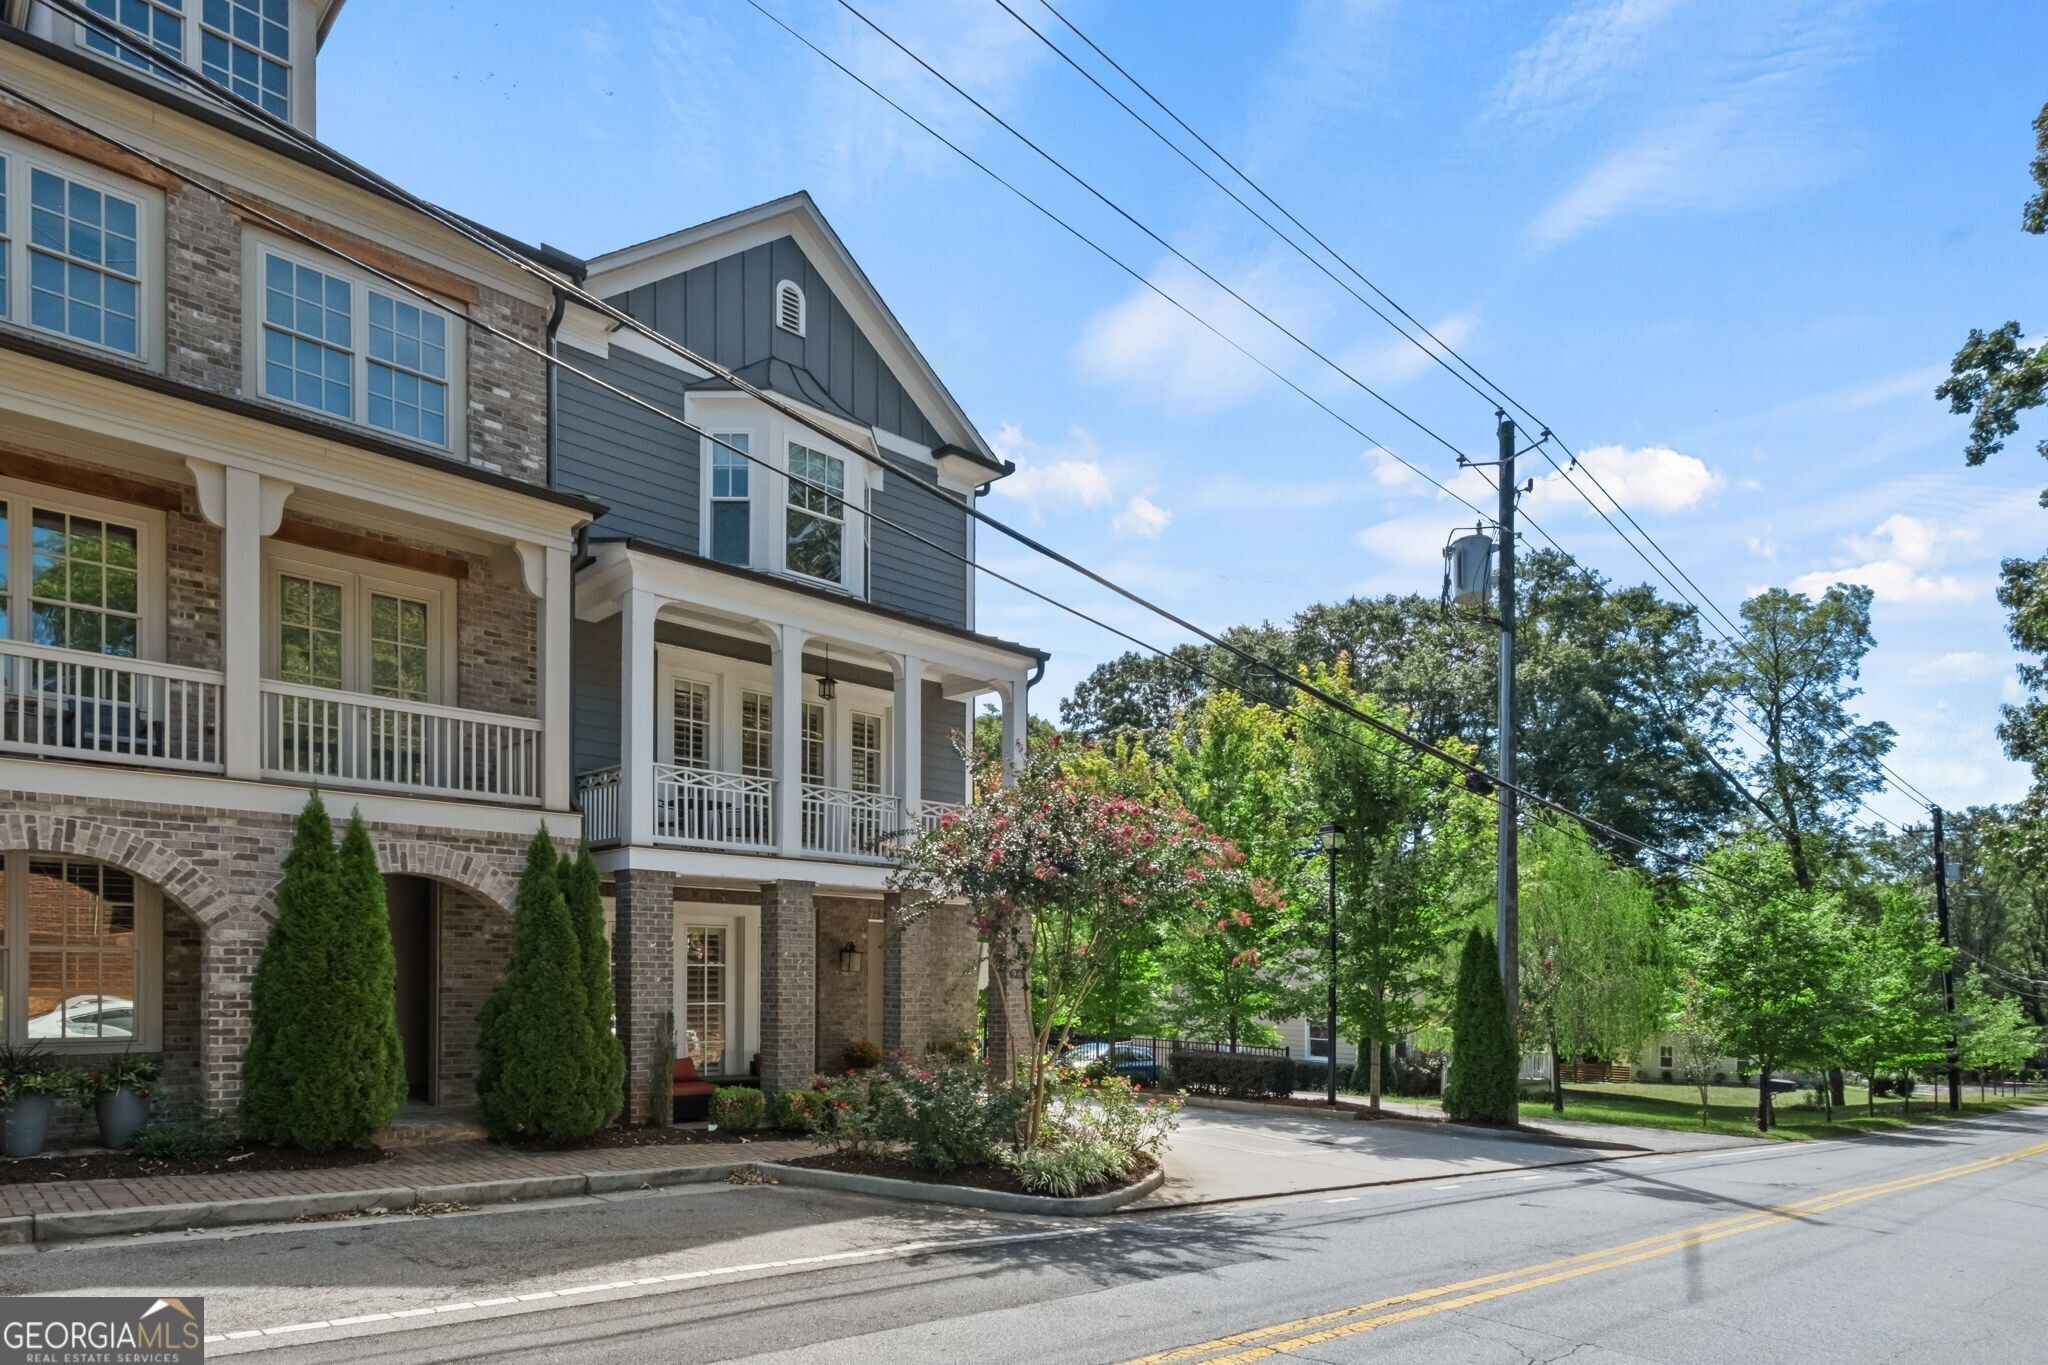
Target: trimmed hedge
x,y
1236,1075
1484,1063
738,1108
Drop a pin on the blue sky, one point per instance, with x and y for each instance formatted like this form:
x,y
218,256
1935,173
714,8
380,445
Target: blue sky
x,y
1724,249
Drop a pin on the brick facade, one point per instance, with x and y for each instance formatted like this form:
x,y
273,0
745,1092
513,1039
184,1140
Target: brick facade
x,y
842,998
202,292
931,961
643,973
473,944
789,975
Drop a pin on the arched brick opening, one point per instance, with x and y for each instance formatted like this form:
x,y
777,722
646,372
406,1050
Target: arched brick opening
x,y
194,888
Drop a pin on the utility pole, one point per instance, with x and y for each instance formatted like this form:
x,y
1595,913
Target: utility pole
x,y
1948,973
1507,909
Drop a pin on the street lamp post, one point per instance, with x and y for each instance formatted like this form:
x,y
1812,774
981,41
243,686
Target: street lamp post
x,y
1330,838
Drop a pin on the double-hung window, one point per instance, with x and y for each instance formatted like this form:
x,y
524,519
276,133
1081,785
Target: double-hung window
x,y
757,734
343,344
690,725
864,767
241,45
75,251
814,744
816,542
1318,1040
731,511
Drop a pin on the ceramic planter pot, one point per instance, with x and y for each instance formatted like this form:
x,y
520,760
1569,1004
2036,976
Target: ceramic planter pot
x,y
24,1124
122,1113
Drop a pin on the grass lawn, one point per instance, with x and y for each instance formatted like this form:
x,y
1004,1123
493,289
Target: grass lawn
x,y
1732,1109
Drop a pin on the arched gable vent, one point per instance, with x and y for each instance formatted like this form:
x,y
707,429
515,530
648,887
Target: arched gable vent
x,y
789,307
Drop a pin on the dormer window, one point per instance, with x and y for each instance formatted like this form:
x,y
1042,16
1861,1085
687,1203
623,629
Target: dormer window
x,y
789,307
241,45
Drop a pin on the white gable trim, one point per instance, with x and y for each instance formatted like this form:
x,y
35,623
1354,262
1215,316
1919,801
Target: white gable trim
x,y
795,216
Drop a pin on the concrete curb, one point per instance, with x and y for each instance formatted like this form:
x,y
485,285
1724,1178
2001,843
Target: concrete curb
x,y
998,1201
79,1225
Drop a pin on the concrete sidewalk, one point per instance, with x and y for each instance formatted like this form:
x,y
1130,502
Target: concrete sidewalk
x,y
1660,1140
460,1172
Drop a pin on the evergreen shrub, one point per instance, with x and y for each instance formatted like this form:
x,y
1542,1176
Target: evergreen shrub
x,y
1484,1063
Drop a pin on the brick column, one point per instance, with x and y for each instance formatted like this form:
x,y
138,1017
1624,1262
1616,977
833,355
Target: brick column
x,y
228,955
643,972
906,979
789,985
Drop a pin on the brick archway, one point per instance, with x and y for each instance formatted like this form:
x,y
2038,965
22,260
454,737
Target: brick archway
x,y
196,890
477,875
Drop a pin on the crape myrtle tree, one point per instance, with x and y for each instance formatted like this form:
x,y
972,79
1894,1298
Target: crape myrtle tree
x,y
1593,971
1055,872
1231,762
324,1067
1888,1016
1765,954
1413,849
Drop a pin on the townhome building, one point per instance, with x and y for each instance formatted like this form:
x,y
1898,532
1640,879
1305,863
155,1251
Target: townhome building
x,y
776,654
277,514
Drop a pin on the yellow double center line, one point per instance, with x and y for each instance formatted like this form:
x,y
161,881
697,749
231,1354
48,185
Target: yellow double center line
x,y
1422,1303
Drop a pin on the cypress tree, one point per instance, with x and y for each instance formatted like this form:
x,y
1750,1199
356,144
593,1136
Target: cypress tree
x,y
1485,1066
582,889
290,979
324,1067
538,1059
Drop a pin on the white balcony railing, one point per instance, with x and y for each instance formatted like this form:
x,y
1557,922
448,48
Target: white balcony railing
x,y
850,824
721,810
597,796
67,704
931,813
353,740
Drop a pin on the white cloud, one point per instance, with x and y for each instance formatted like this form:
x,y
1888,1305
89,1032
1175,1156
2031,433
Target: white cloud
x,y
1762,548
1052,480
1963,667
1389,472
1643,479
1397,362
1579,57
1141,517
1411,542
1899,558
1749,485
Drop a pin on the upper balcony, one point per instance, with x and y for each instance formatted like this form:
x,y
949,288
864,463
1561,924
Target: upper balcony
x,y
723,712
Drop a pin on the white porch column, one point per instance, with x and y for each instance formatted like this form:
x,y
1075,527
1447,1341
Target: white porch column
x,y
1016,694
637,610
557,606
246,507
907,734
787,671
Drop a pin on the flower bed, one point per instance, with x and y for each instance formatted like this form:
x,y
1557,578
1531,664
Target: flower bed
x,y
34,1170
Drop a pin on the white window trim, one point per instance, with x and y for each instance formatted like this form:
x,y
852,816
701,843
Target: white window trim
x,y
149,554
729,678
255,246
304,44
852,508
149,248
770,436
803,308
743,978
148,965
1308,1042
359,579
757,478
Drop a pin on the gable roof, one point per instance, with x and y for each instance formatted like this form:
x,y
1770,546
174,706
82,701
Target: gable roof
x,y
797,216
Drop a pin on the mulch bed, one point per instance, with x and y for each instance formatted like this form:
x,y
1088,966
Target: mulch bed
x,y
1000,1178
29,1170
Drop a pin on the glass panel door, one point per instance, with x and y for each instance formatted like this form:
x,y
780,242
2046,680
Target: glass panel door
x,y
707,997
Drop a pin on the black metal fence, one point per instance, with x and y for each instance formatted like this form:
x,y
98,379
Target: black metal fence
x,y
1163,1047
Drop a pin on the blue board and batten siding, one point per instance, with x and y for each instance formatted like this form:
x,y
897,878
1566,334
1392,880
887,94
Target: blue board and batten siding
x,y
725,309
907,573
642,467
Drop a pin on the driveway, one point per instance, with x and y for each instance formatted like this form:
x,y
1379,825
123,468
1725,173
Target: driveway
x,y
1226,1155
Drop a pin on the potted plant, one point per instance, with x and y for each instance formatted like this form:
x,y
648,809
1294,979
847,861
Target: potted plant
x,y
30,1086
121,1097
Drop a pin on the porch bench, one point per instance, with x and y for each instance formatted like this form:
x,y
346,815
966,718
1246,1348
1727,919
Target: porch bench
x,y
689,1092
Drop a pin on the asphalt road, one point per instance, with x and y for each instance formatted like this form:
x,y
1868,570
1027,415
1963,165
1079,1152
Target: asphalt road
x,y
1930,1244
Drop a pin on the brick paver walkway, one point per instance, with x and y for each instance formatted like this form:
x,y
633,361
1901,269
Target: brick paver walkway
x,y
454,1163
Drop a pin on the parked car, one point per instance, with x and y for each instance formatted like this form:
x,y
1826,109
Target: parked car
x,y
1785,1085
86,1016
1134,1063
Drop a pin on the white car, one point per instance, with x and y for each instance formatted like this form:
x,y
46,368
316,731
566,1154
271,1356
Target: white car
x,y
87,1016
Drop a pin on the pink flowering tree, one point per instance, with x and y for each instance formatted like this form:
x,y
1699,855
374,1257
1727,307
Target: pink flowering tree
x,y
1059,873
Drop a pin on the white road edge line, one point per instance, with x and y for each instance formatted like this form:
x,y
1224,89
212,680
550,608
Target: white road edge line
x,y
1346,1199
894,1249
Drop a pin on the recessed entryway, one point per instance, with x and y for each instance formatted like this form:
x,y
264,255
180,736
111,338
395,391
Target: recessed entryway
x,y
411,903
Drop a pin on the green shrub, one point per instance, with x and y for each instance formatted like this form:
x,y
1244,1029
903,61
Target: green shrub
x,y
950,1114
797,1111
855,1117
1484,1063
1238,1075
738,1108
539,1074
584,897
1134,1123
861,1055
185,1136
324,1067
1069,1167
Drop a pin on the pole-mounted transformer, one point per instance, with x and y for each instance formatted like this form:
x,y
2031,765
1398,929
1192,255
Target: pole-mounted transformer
x,y
1468,570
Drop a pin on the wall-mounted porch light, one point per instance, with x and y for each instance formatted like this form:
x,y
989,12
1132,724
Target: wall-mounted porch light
x,y
851,959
